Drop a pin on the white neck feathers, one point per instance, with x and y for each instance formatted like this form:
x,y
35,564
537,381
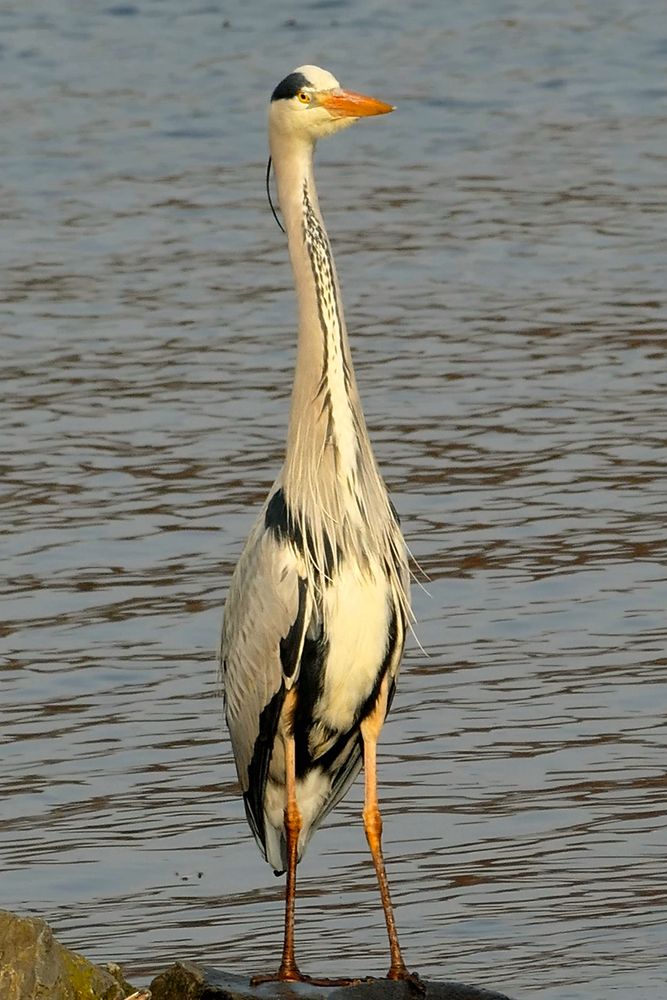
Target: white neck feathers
x,y
326,417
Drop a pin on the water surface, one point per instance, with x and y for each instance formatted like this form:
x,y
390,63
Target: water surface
x,y
500,241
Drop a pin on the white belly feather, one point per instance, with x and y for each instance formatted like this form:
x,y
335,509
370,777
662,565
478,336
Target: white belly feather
x,y
357,624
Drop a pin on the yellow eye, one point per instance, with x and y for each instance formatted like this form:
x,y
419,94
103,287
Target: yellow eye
x,y
303,97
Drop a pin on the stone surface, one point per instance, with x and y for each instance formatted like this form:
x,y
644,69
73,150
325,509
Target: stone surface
x,y
187,981
34,966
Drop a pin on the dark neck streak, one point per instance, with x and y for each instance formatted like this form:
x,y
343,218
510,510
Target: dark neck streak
x,y
334,392
328,305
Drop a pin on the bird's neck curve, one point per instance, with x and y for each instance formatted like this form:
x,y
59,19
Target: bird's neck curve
x,y
327,426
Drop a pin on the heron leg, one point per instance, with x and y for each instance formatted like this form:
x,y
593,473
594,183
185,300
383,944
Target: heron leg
x,y
288,968
370,731
289,971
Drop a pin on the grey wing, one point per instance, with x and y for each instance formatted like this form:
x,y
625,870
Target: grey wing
x,y
266,615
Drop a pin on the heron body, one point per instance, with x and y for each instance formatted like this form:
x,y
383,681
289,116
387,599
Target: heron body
x,y
318,605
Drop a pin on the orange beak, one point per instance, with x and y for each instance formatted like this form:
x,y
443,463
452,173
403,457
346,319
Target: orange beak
x,y
347,104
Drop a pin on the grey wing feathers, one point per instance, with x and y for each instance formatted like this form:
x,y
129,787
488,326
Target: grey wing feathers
x,y
262,637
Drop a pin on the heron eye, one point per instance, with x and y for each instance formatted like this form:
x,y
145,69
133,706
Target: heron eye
x,y
304,97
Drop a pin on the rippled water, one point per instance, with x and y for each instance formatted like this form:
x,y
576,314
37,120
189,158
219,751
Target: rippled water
x,y
501,245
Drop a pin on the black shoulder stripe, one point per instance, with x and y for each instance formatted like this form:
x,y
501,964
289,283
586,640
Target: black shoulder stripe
x,y
291,644
277,516
290,86
279,521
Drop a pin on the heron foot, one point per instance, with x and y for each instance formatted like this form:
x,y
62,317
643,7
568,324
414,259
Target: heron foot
x,y
413,979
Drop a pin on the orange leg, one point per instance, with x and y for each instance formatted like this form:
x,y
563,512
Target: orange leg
x,y
288,968
370,731
289,971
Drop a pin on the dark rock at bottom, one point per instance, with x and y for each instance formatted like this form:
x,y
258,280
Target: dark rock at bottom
x,y
187,981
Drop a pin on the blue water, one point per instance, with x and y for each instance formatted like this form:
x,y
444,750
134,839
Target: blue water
x,y
500,240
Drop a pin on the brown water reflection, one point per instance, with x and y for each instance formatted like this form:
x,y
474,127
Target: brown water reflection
x,y
499,244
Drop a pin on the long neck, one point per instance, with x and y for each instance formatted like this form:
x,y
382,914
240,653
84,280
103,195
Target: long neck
x,y
327,428
337,501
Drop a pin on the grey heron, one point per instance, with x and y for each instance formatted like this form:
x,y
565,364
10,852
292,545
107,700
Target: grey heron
x,y
318,606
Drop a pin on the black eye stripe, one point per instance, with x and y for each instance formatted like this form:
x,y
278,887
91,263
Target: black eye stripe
x,y
290,87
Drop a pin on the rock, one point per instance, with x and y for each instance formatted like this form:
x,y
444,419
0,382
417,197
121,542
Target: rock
x,y
34,966
187,981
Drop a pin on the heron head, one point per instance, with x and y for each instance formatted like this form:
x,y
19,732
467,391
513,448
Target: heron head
x,y
310,103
